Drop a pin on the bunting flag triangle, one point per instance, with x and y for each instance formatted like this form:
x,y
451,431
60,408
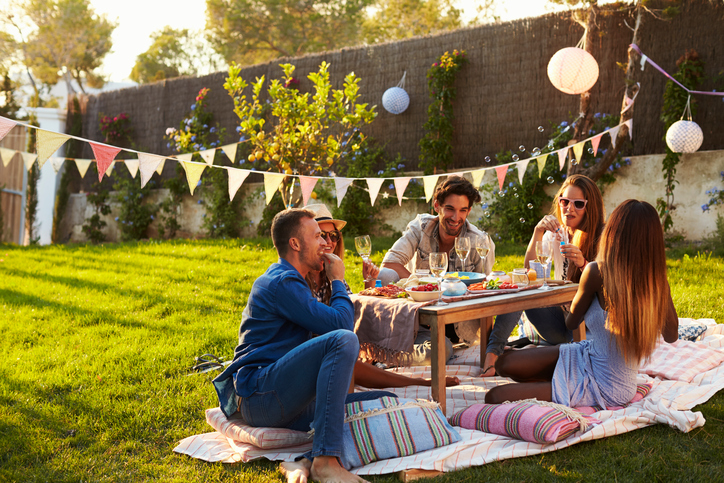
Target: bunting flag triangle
x,y
7,155
132,165
307,183
147,164
400,187
83,165
595,141
477,177
159,168
185,156
629,124
208,156
6,125
110,168
236,178
230,151
193,173
341,185
578,151
522,166
271,183
57,163
501,171
29,159
374,185
541,164
613,132
48,143
104,157
429,182
562,153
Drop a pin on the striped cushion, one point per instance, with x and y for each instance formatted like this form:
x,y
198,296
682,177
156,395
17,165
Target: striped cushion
x,y
235,429
390,427
525,420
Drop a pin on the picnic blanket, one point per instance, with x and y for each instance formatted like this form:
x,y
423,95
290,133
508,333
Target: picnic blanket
x,y
686,374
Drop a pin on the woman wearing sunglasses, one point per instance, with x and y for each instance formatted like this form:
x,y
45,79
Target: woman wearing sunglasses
x,y
365,374
575,223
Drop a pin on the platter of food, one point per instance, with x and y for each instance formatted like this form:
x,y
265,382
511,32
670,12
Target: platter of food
x,y
467,277
390,291
494,286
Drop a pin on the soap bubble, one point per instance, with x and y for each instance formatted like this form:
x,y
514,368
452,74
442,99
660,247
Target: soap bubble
x,y
521,148
550,144
550,180
487,159
540,129
522,220
514,188
574,161
536,152
516,157
515,195
501,193
487,214
530,206
590,150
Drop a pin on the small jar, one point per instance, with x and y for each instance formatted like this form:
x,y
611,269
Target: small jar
x,y
453,287
500,275
519,277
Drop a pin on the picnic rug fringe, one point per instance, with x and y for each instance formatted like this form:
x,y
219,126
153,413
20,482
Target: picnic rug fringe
x,y
570,413
370,352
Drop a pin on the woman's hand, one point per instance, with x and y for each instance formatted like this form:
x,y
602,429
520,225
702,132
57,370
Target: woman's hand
x,y
548,223
370,271
574,254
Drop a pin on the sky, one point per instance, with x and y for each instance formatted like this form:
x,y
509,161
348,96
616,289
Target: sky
x,y
138,19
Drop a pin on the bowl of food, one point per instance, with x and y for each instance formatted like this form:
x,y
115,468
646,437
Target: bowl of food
x,y
467,277
424,293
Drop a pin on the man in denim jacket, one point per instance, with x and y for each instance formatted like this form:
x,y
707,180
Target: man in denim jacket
x,y
453,201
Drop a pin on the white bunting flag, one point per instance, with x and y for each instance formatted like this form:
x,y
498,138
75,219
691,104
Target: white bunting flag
x,y
132,166
185,156
629,124
83,165
400,187
429,183
57,163
7,155
236,178
6,125
578,151
374,185
541,164
147,164
613,132
29,159
340,186
271,183
208,156
522,166
562,158
595,141
307,183
193,173
477,177
48,143
230,151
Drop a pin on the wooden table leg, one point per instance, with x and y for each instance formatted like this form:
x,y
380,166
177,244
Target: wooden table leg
x,y
438,363
486,326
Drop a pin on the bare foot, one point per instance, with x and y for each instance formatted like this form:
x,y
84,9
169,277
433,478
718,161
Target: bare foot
x,y
451,381
296,471
326,469
489,365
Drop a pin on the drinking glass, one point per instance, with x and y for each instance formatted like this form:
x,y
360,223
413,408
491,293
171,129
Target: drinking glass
x,y
482,245
462,248
438,267
543,253
364,248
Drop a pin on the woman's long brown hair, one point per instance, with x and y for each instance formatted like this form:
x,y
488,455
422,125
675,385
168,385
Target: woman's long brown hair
x,y
588,233
632,261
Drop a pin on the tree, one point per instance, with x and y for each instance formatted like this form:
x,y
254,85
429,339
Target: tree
x,y
69,41
174,53
401,19
250,31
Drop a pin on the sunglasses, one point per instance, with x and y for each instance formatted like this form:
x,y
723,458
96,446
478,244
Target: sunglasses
x,y
332,236
577,204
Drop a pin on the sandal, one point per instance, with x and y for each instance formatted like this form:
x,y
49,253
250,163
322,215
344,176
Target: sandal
x,y
486,369
208,362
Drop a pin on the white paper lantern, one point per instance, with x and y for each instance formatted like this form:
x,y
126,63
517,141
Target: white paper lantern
x,y
684,137
395,100
573,70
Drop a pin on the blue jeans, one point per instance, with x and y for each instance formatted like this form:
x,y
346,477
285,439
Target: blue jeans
x,y
307,388
550,322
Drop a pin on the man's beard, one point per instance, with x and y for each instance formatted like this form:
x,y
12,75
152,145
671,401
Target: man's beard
x,y
444,228
311,257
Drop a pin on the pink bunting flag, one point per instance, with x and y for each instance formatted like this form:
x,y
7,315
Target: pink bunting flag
x,y
341,185
613,132
236,178
6,125
104,157
501,171
522,166
374,185
595,141
307,183
562,153
400,187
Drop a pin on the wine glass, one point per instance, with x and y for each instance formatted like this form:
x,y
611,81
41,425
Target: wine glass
x,y
438,267
482,245
462,248
364,248
543,252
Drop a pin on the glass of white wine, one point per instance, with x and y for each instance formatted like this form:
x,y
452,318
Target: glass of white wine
x,y
438,267
363,244
482,245
543,253
462,248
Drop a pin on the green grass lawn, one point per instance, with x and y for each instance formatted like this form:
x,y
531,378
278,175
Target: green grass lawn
x,y
97,343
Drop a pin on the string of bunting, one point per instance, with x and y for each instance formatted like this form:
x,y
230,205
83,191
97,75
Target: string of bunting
x,y
48,142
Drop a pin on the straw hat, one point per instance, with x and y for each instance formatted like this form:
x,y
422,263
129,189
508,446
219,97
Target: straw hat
x,y
323,214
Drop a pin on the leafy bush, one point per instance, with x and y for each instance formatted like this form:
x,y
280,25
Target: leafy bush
x,y
135,216
93,227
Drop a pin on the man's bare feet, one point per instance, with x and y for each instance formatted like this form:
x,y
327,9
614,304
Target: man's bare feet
x,y
326,469
489,365
296,471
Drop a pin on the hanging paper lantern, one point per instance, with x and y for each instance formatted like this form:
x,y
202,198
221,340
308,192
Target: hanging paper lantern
x,y
684,137
395,100
573,70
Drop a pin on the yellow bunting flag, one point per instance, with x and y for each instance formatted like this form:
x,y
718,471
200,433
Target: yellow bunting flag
x,y
271,183
477,178
562,153
230,151
307,183
236,178
541,164
208,156
429,183
132,165
522,166
501,171
159,168
6,125
104,157
341,185
110,168
578,151
595,141
29,159
613,132
57,163
83,165
7,155
147,164
48,143
193,173
374,184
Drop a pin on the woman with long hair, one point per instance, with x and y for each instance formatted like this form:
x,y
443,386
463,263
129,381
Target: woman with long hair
x,y
625,299
577,215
